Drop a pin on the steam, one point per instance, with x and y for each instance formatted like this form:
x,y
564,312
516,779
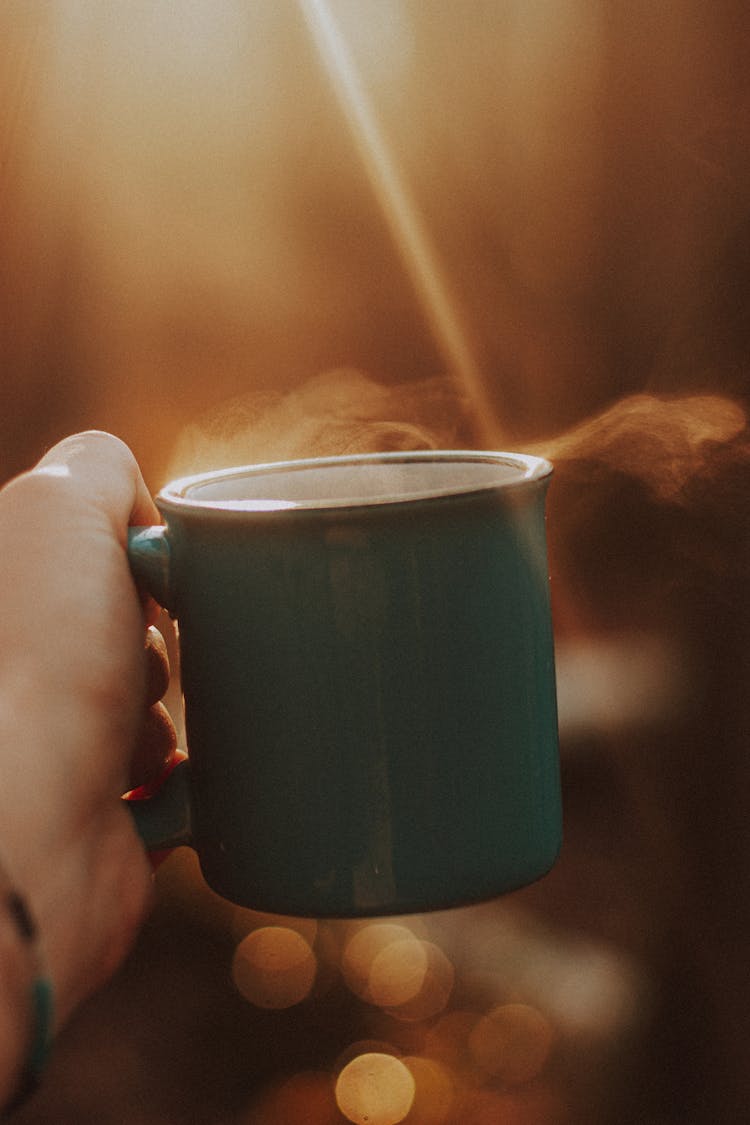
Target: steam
x,y
649,496
663,442
337,413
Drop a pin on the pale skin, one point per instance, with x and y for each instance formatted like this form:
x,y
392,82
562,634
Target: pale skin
x,y
79,678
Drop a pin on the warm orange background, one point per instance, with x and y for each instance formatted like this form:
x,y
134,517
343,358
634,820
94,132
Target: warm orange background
x,y
189,236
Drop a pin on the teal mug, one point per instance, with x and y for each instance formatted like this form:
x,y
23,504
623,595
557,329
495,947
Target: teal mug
x,y
367,667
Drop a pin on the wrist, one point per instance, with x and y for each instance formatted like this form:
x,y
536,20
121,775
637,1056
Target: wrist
x,y
70,845
16,978
25,999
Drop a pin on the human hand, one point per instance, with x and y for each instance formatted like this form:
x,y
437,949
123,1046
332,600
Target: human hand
x,y
75,692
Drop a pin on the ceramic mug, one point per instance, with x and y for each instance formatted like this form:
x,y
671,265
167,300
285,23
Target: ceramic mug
x,y
367,668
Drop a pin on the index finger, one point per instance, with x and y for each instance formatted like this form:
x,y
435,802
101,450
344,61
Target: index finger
x,y
104,471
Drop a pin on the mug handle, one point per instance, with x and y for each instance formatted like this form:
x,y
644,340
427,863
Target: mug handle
x,y
162,820
148,555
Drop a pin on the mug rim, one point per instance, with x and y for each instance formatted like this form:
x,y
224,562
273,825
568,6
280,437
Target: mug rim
x,y
175,495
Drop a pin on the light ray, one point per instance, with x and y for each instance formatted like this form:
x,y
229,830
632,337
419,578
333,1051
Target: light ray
x,y
408,229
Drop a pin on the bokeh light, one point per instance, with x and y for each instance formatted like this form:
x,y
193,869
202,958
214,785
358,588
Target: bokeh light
x,y
512,1042
365,947
388,965
597,992
397,973
435,988
364,1047
274,967
375,1089
435,1092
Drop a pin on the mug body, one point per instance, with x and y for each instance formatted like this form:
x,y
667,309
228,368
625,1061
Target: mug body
x,y
367,668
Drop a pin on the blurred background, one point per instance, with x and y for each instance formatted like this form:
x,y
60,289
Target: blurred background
x,y
236,230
